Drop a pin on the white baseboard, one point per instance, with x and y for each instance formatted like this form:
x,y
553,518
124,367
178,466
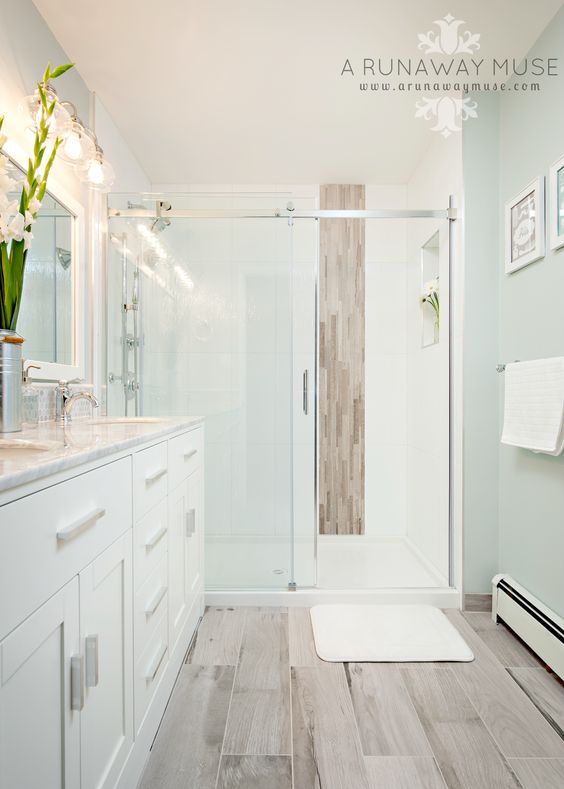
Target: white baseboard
x,y
535,623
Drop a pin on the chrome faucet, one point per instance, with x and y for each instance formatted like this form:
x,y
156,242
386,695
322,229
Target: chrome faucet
x,y
65,400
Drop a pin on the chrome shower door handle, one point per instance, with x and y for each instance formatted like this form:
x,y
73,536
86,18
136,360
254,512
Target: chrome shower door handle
x,y
305,392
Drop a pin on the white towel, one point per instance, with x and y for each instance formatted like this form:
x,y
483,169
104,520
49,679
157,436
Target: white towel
x,y
534,405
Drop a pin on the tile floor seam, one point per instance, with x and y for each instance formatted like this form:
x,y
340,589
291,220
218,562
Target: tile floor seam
x,y
504,758
345,667
498,661
291,706
221,751
544,713
434,756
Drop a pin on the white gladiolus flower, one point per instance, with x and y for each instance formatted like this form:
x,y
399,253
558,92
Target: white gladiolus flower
x,y
7,206
4,161
34,205
29,220
7,184
15,228
3,140
28,236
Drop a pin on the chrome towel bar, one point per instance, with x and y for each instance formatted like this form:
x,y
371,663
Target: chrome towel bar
x,y
500,368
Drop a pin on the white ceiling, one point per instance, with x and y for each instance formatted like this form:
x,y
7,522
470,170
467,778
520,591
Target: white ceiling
x,y
248,91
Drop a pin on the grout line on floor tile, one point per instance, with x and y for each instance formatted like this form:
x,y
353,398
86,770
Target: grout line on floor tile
x,y
545,714
221,754
435,759
505,759
291,708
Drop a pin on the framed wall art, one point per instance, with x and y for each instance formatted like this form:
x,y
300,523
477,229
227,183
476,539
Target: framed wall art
x,y
524,227
556,204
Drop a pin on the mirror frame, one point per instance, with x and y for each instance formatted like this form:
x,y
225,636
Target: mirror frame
x,y
54,371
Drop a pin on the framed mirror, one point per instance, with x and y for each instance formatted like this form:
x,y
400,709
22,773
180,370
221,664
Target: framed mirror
x,y
52,310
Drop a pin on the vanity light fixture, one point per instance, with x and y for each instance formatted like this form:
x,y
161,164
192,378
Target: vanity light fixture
x,y
80,146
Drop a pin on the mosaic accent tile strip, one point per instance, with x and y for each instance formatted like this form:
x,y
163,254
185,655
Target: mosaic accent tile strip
x,y
341,364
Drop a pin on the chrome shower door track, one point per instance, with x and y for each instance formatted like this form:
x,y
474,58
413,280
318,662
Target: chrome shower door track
x,y
191,213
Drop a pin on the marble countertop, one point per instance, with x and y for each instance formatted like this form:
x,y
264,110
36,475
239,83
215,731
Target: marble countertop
x,y
82,441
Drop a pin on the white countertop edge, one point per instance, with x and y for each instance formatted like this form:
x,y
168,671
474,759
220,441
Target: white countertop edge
x,y
104,446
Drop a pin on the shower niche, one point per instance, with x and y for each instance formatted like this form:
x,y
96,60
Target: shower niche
x,y
430,291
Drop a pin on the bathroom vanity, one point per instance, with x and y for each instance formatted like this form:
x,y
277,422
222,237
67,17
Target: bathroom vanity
x,y
101,590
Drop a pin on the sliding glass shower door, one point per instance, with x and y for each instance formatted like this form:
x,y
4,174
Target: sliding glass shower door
x,y
216,317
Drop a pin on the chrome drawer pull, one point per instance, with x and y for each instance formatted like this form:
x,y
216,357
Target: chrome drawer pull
x,y
69,532
77,682
91,661
154,538
155,476
190,522
155,663
154,604
188,455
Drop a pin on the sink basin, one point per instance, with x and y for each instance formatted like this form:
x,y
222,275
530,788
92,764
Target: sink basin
x,y
21,449
127,420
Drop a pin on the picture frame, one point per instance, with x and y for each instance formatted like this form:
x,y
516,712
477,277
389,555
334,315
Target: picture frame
x,y
556,204
525,226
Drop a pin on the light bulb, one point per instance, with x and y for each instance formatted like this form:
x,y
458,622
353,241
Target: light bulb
x,y
95,172
73,147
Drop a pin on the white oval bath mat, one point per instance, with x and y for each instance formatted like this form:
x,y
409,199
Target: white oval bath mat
x,y
385,634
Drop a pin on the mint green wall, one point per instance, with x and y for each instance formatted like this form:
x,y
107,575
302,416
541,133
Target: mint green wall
x,y
481,424
521,316
531,326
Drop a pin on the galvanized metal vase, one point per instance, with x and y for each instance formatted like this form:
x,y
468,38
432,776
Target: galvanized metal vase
x,y
10,381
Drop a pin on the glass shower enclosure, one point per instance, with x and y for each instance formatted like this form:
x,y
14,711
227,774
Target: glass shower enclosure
x,y
214,309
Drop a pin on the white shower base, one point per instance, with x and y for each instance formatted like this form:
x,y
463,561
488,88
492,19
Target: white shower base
x,y
257,567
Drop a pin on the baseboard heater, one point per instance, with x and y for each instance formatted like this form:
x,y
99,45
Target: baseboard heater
x,y
536,624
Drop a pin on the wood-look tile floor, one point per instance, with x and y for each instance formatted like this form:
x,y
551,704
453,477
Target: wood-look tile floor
x,y
255,708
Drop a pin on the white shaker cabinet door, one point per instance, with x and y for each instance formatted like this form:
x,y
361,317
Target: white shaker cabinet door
x,y
185,552
106,630
194,537
177,579
39,730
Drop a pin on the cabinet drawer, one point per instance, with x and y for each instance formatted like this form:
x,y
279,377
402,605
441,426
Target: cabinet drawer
x,y
149,669
184,455
50,536
151,601
150,478
150,540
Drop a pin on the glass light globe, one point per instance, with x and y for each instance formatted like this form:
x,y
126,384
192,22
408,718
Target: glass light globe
x,y
96,173
78,146
60,122
72,149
